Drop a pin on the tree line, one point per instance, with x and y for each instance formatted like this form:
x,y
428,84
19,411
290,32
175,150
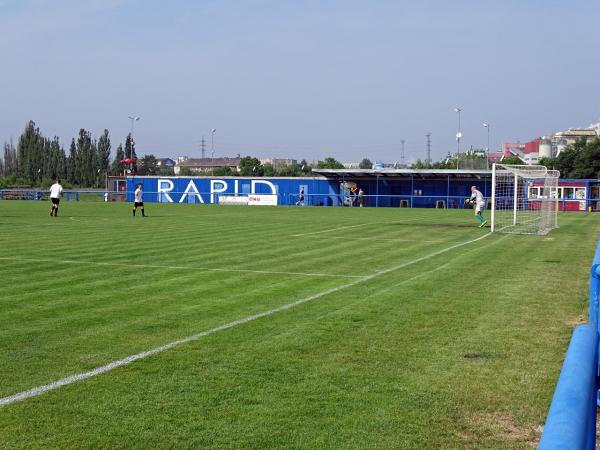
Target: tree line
x,y
580,160
251,166
36,159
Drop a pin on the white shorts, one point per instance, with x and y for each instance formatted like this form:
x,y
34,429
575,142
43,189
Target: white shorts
x,y
479,208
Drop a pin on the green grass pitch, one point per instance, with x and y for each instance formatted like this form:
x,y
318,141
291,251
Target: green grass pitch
x,y
407,334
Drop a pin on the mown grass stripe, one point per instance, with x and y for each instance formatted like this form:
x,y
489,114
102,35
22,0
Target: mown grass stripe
x,y
130,359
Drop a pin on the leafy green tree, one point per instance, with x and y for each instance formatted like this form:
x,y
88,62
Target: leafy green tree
x,y
117,166
58,163
61,165
85,159
565,161
147,165
185,171
30,151
473,160
71,170
103,154
420,165
512,160
223,171
365,164
443,164
164,171
11,168
291,170
46,160
330,163
250,166
550,163
305,167
587,160
269,170
130,147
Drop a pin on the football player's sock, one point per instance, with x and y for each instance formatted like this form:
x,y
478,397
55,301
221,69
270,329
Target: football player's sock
x,y
134,213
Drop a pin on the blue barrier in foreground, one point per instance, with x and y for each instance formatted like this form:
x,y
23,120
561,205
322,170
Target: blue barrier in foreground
x,y
571,420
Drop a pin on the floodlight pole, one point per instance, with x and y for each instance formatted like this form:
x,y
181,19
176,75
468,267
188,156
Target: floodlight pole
x,y
493,227
458,136
487,150
516,199
133,120
212,151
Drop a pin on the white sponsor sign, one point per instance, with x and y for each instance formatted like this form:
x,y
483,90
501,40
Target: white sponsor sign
x,y
232,200
262,200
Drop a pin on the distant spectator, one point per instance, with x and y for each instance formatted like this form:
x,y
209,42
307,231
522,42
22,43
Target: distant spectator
x,y
353,195
300,201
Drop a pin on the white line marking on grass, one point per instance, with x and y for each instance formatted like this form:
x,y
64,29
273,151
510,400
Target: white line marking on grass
x,y
5,401
183,268
331,229
355,226
376,239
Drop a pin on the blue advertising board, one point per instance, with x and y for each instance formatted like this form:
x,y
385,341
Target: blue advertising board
x,y
317,190
379,191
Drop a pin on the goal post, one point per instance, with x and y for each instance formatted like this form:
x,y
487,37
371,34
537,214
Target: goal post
x,y
524,199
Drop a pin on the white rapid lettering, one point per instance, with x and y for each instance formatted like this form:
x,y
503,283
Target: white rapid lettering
x,y
164,187
217,190
191,189
265,182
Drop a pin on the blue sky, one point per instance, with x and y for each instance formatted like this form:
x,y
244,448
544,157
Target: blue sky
x,y
301,79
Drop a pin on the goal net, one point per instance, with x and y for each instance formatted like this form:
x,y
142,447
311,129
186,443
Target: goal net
x,y
524,199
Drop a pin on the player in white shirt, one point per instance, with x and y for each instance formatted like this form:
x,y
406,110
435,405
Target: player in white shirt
x,y
479,202
138,200
55,194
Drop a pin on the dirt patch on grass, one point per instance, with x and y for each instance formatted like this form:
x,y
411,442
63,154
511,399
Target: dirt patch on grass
x,y
574,321
498,427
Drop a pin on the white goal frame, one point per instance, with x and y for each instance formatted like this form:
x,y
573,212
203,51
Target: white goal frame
x,y
515,209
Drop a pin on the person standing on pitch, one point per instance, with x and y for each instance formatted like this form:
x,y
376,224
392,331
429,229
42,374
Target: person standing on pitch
x,y
138,200
477,199
55,193
300,201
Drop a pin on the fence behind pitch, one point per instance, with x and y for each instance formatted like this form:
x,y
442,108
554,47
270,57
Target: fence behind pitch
x,y
372,201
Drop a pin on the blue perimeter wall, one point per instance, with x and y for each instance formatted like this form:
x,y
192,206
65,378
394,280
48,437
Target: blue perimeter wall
x,y
318,190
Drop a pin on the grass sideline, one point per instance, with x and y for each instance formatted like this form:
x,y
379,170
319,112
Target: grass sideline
x,y
459,350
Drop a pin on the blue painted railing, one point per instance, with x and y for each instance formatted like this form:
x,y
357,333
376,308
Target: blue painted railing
x,y
571,421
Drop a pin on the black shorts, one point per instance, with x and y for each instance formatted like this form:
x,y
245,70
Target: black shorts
x,y
136,204
55,201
